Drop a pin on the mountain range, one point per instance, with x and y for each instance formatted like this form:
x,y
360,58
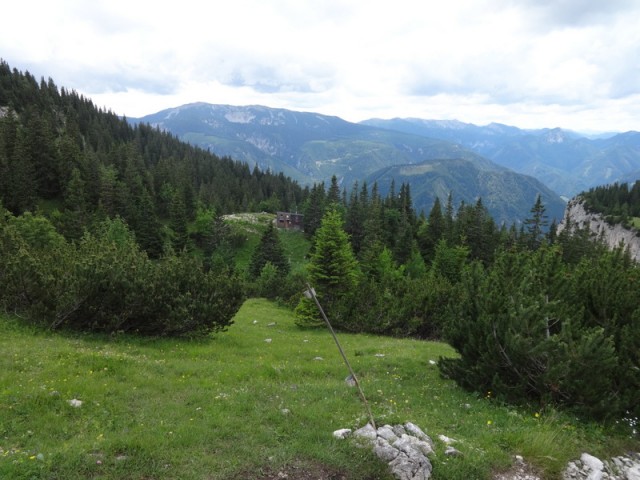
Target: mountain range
x,y
565,161
310,147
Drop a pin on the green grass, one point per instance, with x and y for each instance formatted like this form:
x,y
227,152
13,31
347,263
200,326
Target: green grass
x,y
215,408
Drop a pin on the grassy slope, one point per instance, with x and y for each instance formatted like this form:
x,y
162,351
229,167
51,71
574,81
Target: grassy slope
x,y
214,408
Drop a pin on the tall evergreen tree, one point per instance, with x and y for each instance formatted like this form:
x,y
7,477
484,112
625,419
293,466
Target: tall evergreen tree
x,y
178,221
537,223
333,195
355,219
21,192
269,250
333,271
74,219
430,232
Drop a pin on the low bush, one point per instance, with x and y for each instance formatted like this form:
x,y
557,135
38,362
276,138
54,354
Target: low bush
x,y
105,282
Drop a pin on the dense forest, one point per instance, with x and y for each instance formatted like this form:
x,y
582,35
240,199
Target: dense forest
x,y
109,227
58,151
618,203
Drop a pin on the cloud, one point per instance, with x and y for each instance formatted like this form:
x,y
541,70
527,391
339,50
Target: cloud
x,y
501,60
577,13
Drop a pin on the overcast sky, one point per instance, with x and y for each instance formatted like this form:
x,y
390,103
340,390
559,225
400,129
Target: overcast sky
x,y
530,63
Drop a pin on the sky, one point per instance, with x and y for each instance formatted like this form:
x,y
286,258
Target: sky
x,y
573,64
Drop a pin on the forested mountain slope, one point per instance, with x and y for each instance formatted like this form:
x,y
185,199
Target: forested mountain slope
x,y
565,161
312,148
58,151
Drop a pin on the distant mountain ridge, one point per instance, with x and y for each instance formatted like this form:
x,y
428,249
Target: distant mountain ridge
x,y
311,147
565,161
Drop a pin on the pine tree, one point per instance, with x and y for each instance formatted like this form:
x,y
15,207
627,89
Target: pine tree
x,y
21,193
537,223
178,222
74,219
269,250
430,233
354,219
148,229
333,272
333,195
314,209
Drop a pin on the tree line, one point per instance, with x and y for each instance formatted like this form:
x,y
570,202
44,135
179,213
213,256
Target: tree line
x,y
618,203
81,165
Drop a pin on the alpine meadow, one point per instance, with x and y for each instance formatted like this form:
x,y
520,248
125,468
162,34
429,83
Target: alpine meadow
x,y
153,322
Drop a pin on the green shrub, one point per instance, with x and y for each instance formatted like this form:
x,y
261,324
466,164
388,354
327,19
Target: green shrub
x,y
107,283
532,329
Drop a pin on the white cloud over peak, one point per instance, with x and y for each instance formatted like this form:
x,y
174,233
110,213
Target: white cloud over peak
x,y
529,63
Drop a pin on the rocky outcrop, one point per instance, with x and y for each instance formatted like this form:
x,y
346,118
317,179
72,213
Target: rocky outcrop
x,y
592,468
577,217
403,447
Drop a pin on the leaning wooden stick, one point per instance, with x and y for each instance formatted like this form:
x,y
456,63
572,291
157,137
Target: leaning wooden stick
x,y
311,293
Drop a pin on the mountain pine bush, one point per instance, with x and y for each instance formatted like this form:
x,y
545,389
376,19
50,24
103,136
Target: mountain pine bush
x,y
105,282
532,329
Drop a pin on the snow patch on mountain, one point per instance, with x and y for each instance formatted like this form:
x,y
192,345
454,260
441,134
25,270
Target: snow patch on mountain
x,y
239,116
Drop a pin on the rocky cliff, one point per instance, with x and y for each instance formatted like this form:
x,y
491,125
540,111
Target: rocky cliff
x,y
577,217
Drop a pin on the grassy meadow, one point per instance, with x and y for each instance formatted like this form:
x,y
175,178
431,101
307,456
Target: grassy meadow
x,y
259,400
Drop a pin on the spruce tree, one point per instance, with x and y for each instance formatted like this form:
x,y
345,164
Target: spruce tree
x,y
536,224
430,233
75,215
333,271
269,250
178,221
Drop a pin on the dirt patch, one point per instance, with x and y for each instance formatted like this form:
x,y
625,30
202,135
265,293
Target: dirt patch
x,y
520,471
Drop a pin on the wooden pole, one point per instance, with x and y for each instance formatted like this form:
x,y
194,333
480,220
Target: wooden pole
x,y
311,293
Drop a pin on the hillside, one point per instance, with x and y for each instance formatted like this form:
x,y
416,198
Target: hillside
x,y
258,402
79,164
507,196
565,161
311,148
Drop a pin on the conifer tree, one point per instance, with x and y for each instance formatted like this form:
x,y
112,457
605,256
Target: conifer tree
x,y
148,229
314,209
354,219
74,217
536,223
269,250
430,233
178,221
21,192
333,271
333,195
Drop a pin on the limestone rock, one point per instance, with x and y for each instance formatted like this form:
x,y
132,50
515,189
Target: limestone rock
x,y
446,440
386,432
452,452
404,448
384,451
613,235
399,430
367,432
342,433
415,431
592,468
